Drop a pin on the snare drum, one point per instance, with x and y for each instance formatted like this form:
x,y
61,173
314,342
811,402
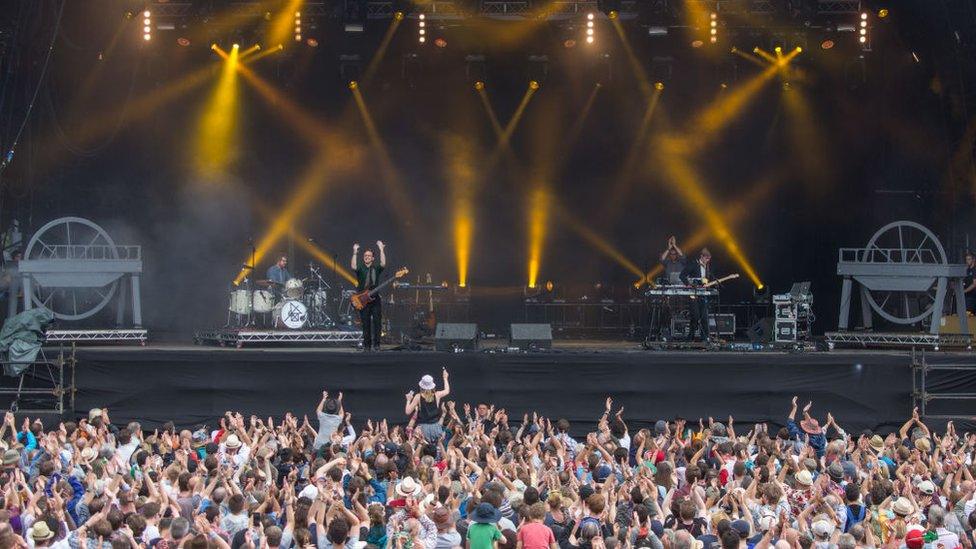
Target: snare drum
x,y
240,302
294,289
290,314
263,301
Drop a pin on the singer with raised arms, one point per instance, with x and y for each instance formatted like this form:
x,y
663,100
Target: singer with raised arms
x,y
367,278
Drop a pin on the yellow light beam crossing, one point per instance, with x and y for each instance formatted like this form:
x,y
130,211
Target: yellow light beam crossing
x,y
216,145
374,63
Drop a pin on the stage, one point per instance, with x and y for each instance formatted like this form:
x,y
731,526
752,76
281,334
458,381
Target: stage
x,y
192,385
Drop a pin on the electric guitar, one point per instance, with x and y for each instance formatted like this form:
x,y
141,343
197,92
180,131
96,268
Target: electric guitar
x,y
361,299
709,284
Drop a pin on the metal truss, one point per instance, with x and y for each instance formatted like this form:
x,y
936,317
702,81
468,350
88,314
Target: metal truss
x,y
47,386
899,340
239,338
138,336
838,7
383,9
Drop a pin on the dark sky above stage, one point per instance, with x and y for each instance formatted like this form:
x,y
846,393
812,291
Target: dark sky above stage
x,y
877,138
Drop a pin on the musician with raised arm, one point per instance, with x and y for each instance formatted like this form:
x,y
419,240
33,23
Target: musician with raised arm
x,y
697,274
368,277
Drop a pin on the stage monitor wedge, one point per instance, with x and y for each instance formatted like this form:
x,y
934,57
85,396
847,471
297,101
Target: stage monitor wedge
x,y
531,337
455,337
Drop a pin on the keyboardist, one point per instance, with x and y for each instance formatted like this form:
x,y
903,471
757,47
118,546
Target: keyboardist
x,y
673,261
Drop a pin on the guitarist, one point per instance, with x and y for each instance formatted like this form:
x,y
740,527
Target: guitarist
x,y
698,273
368,277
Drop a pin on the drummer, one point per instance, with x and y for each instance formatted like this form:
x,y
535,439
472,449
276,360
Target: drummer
x,y
278,273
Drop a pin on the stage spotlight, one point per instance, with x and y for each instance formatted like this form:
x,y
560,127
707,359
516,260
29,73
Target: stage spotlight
x,y
697,43
183,41
786,86
353,85
312,42
590,28
147,25
422,28
827,44
534,85
863,31
778,49
570,43
659,86
798,49
713,28
613,14
882,13
398,16
479,85
236,46
440,43
298,26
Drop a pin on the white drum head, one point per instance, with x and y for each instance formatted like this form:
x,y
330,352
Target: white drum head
x,y
263,301
294,288
240,302
292,314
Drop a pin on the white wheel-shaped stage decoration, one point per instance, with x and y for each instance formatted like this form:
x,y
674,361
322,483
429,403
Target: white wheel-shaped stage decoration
x,y
69,238
921,247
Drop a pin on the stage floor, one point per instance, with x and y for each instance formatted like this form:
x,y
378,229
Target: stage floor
x,y
192,385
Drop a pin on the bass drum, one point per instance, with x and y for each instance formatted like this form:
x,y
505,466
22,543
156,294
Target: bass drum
x,y
263,301
290,314
240,302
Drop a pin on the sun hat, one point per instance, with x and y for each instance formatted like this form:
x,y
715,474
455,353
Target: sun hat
x,y
822,528
40,532
88,454
877,442
926,487
310,492
94,413
11,457
804,478
902,507
923,444
485,513
232,441
427,383
408,487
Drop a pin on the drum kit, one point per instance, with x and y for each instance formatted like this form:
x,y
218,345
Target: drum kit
x,y
294,305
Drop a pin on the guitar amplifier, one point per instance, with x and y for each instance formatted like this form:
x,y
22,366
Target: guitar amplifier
x,y
722,324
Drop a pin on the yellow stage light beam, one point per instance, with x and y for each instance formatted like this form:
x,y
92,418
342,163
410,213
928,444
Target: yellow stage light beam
x,y
329,163
809,144
324,257
598,242
265,52
576,130
397,195
216,144
625,175
765,55
462,177
495,124
688,184
374,63
283,23
636,66
513,122
247,53
750,57
539,204
733,214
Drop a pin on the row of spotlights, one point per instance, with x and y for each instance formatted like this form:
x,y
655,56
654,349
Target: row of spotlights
x,y
147,25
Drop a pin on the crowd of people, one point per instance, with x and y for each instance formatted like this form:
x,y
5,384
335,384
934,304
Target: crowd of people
x,y
455,475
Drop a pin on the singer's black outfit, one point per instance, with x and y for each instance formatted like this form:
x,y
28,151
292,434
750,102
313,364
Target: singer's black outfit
x,y
695,271
372,314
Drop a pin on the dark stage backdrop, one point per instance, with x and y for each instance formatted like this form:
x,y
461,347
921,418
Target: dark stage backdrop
x,y
879,144
197,386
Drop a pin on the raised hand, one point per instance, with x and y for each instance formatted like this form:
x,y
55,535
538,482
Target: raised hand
x,y
355,247
380,245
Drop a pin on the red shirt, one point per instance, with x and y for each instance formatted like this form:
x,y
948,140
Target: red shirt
x,y
535,535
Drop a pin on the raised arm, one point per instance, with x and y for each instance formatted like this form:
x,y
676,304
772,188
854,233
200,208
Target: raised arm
x,y
382,248
325,394
355,256
447,386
